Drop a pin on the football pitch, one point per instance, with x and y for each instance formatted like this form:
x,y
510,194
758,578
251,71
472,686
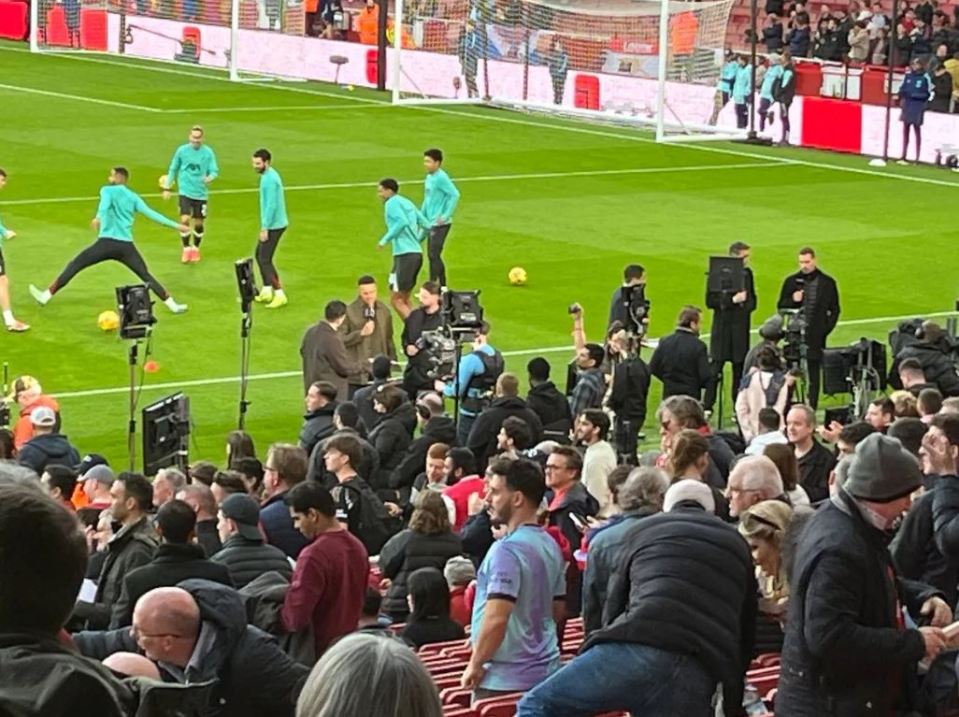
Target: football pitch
x,y
571,203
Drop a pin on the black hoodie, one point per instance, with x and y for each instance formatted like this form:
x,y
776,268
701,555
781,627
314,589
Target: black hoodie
x,y
482,438
439,429
551,406
47,450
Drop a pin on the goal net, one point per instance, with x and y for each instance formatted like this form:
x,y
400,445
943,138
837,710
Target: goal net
x,y
646,62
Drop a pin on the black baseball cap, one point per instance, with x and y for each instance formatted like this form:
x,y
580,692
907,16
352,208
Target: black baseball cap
x,y
244,511
90,460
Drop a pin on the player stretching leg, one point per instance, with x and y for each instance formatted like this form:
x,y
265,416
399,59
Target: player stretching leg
x,y
192,168
11,323
273,222
439,202
114,224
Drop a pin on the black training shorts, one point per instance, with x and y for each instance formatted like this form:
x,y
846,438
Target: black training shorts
x,y
3,266
406,267
195,208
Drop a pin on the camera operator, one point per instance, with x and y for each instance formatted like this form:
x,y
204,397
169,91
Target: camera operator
x,y
367,331
729,336
629,390
817,295
473,385
634,275
935,354
426,317
770,334
680,361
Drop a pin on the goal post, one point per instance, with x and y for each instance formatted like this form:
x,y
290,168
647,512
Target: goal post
x,y
651,63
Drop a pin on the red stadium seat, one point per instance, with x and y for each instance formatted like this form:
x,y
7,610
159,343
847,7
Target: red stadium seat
x,y
436,648
456,696
457,711
500,706
764,679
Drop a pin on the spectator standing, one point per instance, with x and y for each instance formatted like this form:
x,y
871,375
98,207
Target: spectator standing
x,y
368,22
599,460
285,467
752,480
629,391
244,553
590,380
482,439
346,420
858,40
29,395
436,427
318,422
380,370
239,445
681,610
330,579
324,354
816,462
367,332
428,543
47,446
914,93
473,386
817,294
176,559
880,414
546,401
799,36
768,387
773,34
680,361
429,619
912,376
59,482
770,432
679,412
133,545
390,437
847,649
689,460
167,483
425,317
96,478
200,498
519,592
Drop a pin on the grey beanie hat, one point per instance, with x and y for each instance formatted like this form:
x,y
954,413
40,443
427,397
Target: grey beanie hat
x,y
882,470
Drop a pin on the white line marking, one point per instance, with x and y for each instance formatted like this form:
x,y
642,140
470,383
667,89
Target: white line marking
x,y
487,178
276,108
519,352
78,98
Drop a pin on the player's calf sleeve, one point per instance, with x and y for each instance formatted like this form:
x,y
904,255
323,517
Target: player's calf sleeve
x,y
185,238
198,229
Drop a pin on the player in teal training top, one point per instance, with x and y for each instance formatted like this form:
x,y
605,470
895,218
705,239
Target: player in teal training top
x,y
192,169
273,222
118,208
403,222
9,321
440,198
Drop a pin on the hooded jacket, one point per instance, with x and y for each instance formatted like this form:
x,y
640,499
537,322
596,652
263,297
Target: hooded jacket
x,y
317,426
483,434
255,677
439,429
46,450
551,406
390,438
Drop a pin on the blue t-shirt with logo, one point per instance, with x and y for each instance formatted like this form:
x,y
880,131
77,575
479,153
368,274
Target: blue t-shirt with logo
x,y
525,567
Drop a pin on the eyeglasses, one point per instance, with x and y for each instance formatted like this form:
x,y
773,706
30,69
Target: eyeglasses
x,y
136,633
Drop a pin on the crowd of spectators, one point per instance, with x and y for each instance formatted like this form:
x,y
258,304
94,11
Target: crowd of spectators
x,y
303,579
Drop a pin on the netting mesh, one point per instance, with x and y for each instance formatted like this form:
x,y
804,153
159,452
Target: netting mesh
x,y
590,55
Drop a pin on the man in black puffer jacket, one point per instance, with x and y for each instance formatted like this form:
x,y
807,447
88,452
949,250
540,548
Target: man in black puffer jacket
x,y
437,428
482,437
679,618
318,421
547,402
47,447
244,553
213,641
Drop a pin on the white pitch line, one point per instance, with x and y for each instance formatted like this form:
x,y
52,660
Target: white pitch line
x,y
275,108
78,98
520,352
486,178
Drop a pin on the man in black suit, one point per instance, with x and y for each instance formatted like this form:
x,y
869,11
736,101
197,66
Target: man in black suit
x,y
817,293
680,361
729,336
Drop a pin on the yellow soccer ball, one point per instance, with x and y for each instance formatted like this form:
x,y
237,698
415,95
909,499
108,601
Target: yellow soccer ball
x,y
163,181
108,321
517,276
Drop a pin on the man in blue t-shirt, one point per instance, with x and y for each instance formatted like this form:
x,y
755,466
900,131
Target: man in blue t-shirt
x,y
474,382
520,591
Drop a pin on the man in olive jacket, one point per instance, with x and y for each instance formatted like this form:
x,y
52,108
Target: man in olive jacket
x,y
367,332
323,352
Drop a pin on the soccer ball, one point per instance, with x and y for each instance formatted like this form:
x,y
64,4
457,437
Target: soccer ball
x,y
163,181
517,276
108,321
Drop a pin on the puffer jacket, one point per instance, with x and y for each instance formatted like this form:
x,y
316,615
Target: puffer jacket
x,y
407,552
248,559
47,450
256,678
390,438
439,429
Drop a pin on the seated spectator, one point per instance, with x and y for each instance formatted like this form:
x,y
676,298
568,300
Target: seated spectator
x,y
770,432
199,497
429,616
427,543
330,578
689,459
928,403
815,461
47,445
198,632
513,438
203,471
547,402
97,480
177,559
764,526
166,484
640,497
59,482
227,483
371,621
133,545
785,459
394,682
459,573
679,412
482,440
285,468
244,554
766,388
318,422
391,436
753,479
462,483
434,477
436,427
881,413
592,429
43,562
905,404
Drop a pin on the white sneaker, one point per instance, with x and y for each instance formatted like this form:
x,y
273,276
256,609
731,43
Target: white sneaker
x,y
175,307
41,297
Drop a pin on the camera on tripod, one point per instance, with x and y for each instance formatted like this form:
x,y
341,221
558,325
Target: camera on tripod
x,y
637,310
794,338
462,316
859,370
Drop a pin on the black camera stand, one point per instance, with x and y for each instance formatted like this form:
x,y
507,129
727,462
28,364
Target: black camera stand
x,y
246,327
133,360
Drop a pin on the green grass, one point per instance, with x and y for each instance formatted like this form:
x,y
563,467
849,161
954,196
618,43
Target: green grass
x,y
888,236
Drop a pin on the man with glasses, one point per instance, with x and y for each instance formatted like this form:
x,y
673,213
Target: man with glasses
x,y
752,480
285,467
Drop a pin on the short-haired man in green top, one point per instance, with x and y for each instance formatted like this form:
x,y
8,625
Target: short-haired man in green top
x,y
118,208
440,197
273,222
403,222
